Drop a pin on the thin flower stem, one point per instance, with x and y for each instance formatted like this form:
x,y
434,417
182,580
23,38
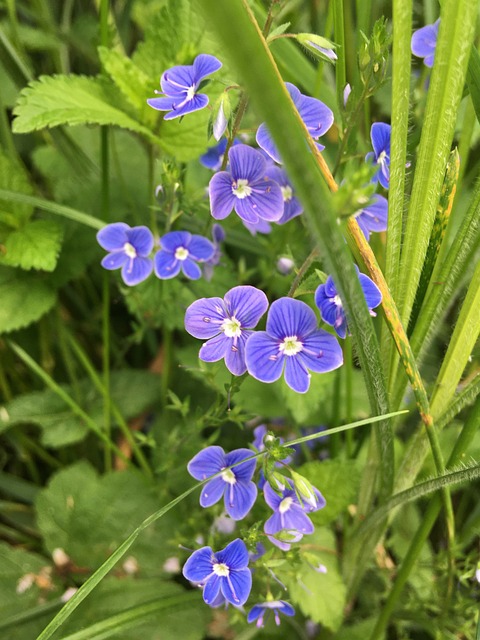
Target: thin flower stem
x,y
309,260
242,105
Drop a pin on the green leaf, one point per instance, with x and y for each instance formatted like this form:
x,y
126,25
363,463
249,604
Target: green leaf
x,y
338,481
60,99
25,297
34,246
25,582
127,604
132,391
134,84
320,596
13,177
68,516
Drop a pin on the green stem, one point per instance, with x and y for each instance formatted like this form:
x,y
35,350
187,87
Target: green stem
x,y
77,410
309,260
340,70
428,520
97,381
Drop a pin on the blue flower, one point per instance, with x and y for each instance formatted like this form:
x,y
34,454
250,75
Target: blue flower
x,y
291,205
291,342
245,188
258,611
129,249
290,515
424,42
317,117
226,324
380,136
262,226
374,217
331,306
235,485
180,84
180,250
224,572
213,158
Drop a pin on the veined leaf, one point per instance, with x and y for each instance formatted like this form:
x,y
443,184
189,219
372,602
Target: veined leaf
x,y
25,297
13,177
134,84
61,99
34,246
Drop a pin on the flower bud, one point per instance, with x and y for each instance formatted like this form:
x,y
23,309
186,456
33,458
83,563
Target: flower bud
x,y
320,47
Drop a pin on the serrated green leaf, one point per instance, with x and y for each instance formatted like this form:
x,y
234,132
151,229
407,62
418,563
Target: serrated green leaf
x,y
68,517
73,100
338,481
134,84
34,246
320,596
25,297
13,177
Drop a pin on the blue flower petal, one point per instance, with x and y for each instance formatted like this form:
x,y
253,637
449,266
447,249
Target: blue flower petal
x,y
292,209
288,317
142,239
296,374
239,499
265,202
201,248
207,463
199,101
136,271
163,104
166,265
380,135
235,354
212,589
271,497
215,348
424,42
274,524
247,304
238,588
372,293
177,80
212,492
174,239
265,142
243,472
296,519
255,612
222,199
204,317
114,260
199,565
246,163
191,269
235,555
113,236
321,352
204,65
263,358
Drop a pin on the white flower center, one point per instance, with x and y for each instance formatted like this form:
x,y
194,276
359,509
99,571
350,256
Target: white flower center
x,y
231,327
285,505
229,476
287,193
337,300
291,346
130,250
191,92
181,253
382,157
241,189
221,569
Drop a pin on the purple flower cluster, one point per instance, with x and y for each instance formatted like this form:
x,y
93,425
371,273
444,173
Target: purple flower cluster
x,y
292,342
180,251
